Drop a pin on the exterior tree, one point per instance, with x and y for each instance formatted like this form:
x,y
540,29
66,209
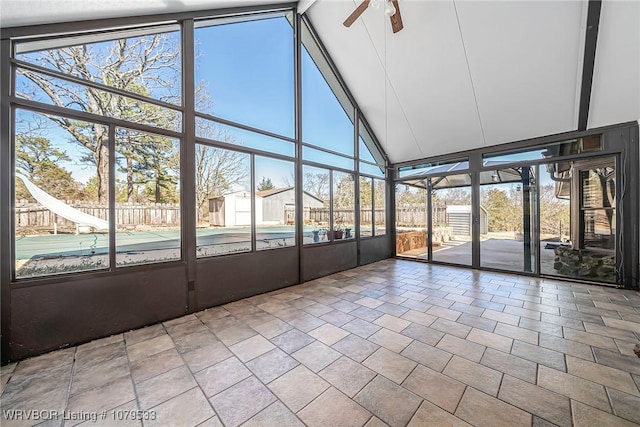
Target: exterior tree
x,y
149,61
38,160
265,184
317,184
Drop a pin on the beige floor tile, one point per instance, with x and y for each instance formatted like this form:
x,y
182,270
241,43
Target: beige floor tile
x,y
388,401
298,387
420,318
88,359
317,309
108,396
509,364
235,334
566,346
390,340
139,335
189,408
498,316
186,328
467,349
574,387
609,332
376,422
292,340
275,414
451,328
347,376
164,387
393,323
422,333
616,360
390,364
543,356
316,356
369,302
193,341
159,363
536,400
489,339
99,375
272,328
220,376
149,347
517,333
587,416
444,313
625,405
477,376
344,412
251,348
355,347
362,328
610,377
435,387
590,339
203,357
328,334
482,410
337,318
427,355
242,401
429,414
271,365
622,324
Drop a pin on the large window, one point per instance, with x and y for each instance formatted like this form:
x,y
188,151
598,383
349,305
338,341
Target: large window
x,y
147,198
223,201
244,70
61,195
275,212
104,135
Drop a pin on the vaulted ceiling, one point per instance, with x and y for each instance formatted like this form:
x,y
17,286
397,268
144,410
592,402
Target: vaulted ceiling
x,y
461,75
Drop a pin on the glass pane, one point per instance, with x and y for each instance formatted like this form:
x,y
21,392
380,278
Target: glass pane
x,y
451,219
380,214
318,156
327,113
506,220
275,203
145,61
369,169
366,207
315,184
59,92
344,203
61,195
411,219
578,198
213,131
558,149
223,201
434,167
367,148
244,71
147,198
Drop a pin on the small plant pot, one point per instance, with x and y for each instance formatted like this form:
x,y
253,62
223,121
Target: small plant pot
x,y
337,234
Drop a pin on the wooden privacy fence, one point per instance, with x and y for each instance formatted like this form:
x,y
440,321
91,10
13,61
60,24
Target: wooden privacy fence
x,y
35,216
346,216
416,215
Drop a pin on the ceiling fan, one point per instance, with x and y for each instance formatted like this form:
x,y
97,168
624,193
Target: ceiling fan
x,y
392,9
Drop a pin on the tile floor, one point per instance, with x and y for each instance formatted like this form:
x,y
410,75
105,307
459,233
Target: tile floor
x,y
392,343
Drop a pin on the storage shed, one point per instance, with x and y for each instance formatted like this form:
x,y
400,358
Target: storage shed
x,y
233,209
460,219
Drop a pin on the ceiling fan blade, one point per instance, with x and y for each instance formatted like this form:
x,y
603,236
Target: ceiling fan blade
x,y
396,18
356,13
